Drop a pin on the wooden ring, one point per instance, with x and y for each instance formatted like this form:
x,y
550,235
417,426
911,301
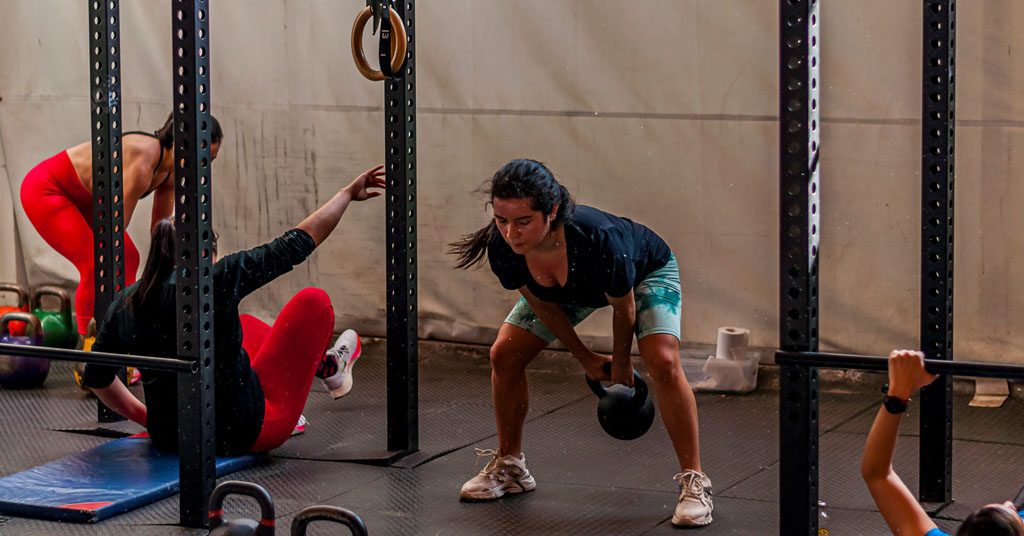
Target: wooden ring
x,y
398,44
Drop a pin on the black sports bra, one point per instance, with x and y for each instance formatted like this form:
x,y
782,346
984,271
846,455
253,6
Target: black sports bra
x,y
158,162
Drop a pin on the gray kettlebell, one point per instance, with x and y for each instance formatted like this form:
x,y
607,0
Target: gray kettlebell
x,y
624,413
328,513
241,527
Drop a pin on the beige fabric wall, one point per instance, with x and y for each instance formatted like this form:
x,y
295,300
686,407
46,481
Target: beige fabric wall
x,y
661,110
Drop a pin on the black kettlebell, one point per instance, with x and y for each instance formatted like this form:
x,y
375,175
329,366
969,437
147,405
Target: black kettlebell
x,y
328,513
625,413
241,527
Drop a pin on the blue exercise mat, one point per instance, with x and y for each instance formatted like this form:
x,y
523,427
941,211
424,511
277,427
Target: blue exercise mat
x,y
100,482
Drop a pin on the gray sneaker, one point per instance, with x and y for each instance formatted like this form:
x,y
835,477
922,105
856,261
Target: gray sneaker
x,y
501,475
695,506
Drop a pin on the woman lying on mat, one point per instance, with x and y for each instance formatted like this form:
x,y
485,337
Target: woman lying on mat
x,y
568,261
898,506
57,198
262,373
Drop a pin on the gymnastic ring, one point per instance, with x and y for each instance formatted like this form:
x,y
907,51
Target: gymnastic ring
x,y
398,44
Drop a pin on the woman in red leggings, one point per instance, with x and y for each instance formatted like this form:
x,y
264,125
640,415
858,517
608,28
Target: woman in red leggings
x,y
262,373
57,197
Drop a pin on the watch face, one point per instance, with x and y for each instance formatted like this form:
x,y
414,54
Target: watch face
x,y
894,405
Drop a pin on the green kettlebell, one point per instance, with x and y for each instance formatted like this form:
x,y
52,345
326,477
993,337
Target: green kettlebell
x,y
58,329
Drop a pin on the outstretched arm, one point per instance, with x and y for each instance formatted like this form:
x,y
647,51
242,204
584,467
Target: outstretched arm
x,y
138,164
321,223
240,274
897,504
163,204
118,398
113,393
135,180
553,317
623,320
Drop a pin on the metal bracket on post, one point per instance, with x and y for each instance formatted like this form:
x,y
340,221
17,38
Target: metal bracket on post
x,y
400,163
936,446
799,139
193,209
107,196
379,10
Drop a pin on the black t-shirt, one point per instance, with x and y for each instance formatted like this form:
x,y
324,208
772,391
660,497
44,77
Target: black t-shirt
x,y
607,255
151,330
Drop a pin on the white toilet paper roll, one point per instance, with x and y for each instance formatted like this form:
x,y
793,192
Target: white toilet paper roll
x,y
732,343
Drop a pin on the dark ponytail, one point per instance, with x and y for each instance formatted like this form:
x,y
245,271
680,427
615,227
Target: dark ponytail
x,y
159,265
518,179
166,133
472,248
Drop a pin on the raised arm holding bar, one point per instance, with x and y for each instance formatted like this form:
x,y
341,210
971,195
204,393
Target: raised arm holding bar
x,y
879,363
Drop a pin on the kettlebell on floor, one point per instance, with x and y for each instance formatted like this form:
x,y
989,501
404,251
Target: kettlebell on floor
x,y
87,342
16,328
328,513
22,372
58,326
241,527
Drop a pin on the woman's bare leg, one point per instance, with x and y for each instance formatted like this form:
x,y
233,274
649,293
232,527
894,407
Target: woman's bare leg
x,y
511,352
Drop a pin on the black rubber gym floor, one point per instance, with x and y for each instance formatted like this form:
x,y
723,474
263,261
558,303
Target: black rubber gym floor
x,y
587,481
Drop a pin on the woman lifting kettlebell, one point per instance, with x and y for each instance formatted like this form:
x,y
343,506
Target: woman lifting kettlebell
x,y
568,260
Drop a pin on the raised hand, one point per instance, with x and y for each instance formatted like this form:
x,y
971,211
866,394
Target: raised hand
x,y
360,188
907,373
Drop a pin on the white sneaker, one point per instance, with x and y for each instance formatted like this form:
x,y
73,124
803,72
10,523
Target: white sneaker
x,y
343,354
300,426
501,475
694,508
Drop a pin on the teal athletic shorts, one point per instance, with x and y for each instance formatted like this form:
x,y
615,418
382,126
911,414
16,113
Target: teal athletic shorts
x,y
659,304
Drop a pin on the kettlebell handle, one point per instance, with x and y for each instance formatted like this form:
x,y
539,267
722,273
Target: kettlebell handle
x,y
639,386
255,491
328,513
28,318
51,290
17,289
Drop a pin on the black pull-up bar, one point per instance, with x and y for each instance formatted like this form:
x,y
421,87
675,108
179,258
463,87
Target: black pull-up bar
x,y
100,358
879,363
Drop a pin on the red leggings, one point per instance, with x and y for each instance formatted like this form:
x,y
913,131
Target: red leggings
x,y
285,358
60,208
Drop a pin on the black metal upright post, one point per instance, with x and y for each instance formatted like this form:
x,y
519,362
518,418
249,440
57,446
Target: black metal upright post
x,y
193,208
400,161
936,461
107,197
799,139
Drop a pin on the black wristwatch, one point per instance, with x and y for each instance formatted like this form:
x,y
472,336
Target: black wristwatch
x,y
891,403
